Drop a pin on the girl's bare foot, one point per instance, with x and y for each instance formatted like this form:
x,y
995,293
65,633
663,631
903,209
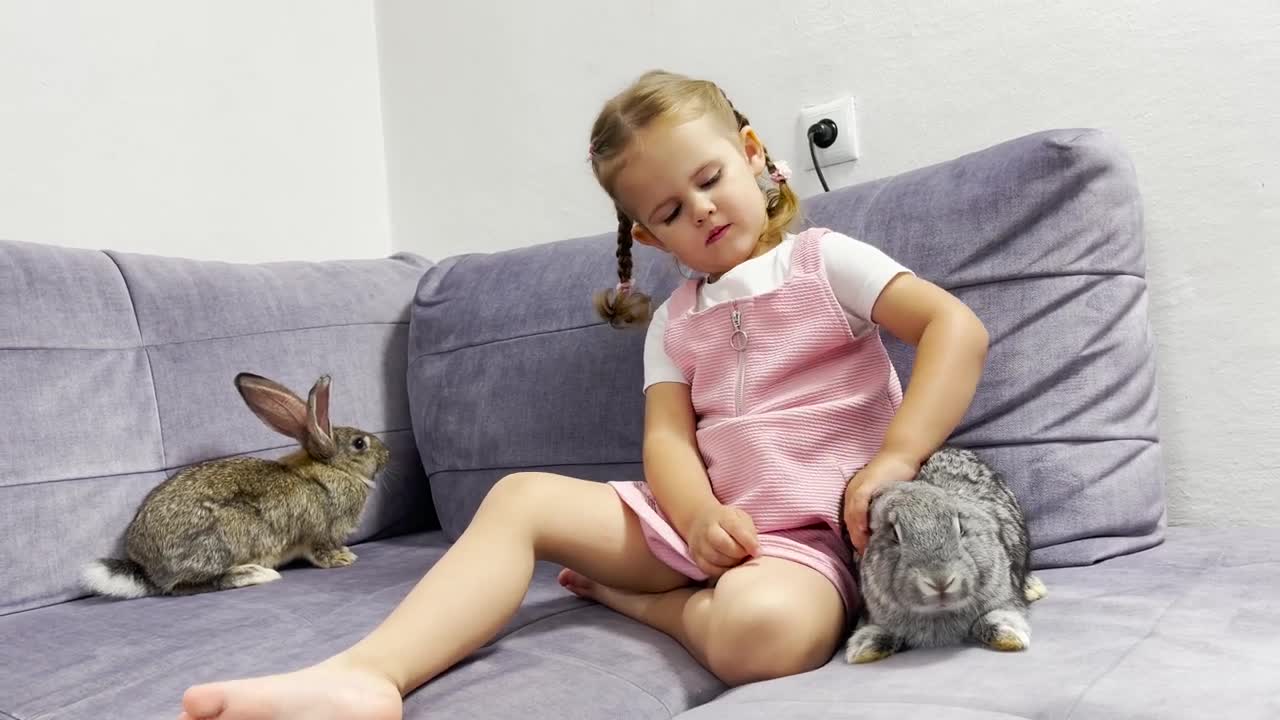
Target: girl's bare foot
x,y
332,690
632,604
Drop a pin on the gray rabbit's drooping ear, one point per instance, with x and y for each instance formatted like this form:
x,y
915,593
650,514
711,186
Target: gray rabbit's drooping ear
x,y
319,442
274,404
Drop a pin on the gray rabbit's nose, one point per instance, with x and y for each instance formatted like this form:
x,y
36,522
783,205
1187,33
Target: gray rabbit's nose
x,y
941,590
941,584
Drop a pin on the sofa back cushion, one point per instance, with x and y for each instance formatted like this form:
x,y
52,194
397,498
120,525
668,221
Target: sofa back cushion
x,y
1042,236
118,371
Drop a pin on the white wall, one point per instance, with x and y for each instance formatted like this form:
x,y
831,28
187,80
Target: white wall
x,y
488,105
224,129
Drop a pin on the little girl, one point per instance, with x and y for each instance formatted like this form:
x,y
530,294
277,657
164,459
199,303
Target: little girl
x,y
766,388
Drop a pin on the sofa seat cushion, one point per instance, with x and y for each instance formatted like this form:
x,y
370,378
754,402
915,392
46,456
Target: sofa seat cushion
x,y
1189,629
99,658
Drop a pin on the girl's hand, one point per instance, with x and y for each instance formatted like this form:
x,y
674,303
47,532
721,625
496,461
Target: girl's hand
x,y
883,470
721,537
951,349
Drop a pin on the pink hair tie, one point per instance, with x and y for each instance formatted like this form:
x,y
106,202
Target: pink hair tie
x,y
781,172
623,288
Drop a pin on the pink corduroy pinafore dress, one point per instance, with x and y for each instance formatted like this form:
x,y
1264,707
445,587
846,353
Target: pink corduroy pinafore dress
x,y
789,404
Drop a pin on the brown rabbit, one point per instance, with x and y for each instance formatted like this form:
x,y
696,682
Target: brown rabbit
x,y
230,523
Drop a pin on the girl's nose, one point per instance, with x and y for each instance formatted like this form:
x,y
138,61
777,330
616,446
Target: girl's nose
x,y
703,209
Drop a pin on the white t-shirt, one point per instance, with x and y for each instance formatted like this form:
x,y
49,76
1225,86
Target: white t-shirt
x,y
858,272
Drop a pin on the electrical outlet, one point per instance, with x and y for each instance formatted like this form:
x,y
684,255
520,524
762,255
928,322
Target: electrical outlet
x,y
845,148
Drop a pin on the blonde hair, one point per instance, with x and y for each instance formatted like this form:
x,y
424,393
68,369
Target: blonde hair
x,y
664,96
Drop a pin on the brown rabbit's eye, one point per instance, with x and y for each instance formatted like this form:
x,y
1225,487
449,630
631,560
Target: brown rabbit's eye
x,y
360,443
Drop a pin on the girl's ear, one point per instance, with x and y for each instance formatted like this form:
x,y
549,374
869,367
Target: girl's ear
x,y
753,148
641,234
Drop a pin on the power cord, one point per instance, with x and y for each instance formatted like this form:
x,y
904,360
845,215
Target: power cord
x,y
822,134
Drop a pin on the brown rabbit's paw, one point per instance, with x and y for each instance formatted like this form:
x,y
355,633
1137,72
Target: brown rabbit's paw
x,y
332,557
246,575
1034,589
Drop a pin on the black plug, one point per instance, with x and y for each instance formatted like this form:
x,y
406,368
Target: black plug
x,y
822,134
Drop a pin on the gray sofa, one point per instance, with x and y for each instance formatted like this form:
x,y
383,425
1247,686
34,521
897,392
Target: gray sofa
x,y
117,371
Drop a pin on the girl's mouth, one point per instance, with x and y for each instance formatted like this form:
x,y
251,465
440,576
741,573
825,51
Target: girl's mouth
x,y
717,233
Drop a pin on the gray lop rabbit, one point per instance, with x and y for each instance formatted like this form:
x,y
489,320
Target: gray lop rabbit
x,y
948,561
230,523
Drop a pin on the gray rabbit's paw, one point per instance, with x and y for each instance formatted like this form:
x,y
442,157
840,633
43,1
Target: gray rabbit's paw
x,y
1035,589
870,643
1006,630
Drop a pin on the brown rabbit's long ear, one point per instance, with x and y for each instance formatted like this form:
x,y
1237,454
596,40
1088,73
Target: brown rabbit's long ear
x,y
319,440
274,404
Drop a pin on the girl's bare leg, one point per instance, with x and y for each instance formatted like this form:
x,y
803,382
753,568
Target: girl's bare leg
x,y
764,619
462,602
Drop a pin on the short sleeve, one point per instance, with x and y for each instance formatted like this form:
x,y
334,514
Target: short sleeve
x,y
658,366
858,273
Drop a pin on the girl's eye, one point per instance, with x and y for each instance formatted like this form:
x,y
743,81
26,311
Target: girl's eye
x,y
705,184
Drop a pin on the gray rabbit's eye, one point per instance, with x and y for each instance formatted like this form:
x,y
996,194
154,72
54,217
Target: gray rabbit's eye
x,y
360,443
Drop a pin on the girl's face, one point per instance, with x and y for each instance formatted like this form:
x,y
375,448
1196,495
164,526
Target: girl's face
x,y
691,190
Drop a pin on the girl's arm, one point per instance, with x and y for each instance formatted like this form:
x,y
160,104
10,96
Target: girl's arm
x,y
719,537
672,464
951,349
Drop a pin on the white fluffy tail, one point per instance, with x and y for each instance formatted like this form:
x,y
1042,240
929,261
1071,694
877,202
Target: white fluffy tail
x,y
116,578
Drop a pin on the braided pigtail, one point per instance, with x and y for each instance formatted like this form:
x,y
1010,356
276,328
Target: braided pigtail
x,y
623,306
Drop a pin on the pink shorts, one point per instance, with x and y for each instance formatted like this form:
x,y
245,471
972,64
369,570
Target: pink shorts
x,y
817,547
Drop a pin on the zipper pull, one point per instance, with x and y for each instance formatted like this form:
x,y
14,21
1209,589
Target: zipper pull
x,y
738,340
